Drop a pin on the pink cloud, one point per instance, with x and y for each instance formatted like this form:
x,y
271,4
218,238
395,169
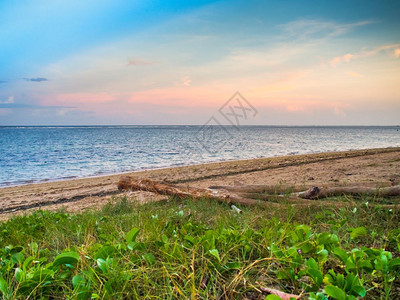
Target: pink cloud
x,y
76,98
138,62
187,96
312,106
292,107
354,74
340,59
348,57
186,81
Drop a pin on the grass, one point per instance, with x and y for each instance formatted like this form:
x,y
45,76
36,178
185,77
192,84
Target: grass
x,y
202,250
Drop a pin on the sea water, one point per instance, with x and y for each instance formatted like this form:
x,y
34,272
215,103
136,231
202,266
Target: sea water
x,y
37,154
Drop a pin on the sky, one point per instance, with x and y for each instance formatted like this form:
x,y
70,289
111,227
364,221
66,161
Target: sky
x,y
101,62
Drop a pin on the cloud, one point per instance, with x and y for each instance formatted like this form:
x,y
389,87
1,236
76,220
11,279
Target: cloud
x,y
312,106
63,111
186,81
78,98
30,106
339,59
397,52
8,101
138,62
2,81
16,105
311,28
354,74
348,57
37,79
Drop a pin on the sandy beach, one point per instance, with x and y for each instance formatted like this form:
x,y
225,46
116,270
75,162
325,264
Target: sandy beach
x,y
372,167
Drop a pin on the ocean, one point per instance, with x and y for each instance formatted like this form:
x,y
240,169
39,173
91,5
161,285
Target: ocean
x,y
39,154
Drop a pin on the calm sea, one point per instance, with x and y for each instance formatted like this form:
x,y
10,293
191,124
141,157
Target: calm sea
x,y
35,154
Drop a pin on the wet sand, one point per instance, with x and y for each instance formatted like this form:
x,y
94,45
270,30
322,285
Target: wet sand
x,y
372,167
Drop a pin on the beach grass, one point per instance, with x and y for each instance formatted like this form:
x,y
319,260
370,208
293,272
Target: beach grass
x,y
202,250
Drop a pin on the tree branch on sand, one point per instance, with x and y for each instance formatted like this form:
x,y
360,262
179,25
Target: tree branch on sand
x,y
129,183
253,194
318,193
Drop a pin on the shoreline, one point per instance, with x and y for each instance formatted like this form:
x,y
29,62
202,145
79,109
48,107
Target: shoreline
x,y
371,167
50,180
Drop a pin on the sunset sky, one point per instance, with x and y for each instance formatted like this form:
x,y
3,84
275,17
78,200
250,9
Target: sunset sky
x,y
177,62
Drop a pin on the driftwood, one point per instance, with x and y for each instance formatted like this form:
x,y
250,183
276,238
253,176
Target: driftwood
x,y
318,193
266,192
256,188
129,183
253,194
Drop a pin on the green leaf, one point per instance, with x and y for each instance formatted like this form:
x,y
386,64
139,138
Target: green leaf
x,y
339,252
84,295
317,296
164,239
312,264
103,265
136,246
235,265
349,282
70,258
190,239
273,297
307,247
108,287
3,286
340,280
28,261
42,275
34,247
359,290
149,258
132,234
335,292
16,249
394,263
104,252
19,275
322,255
381,263
316,276
215,253
365,264
17,258
78,281
358,232
323,237
282,275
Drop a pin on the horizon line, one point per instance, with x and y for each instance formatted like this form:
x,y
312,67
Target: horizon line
x,y
215,125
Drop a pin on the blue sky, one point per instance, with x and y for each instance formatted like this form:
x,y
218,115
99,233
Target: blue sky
x,y
177,62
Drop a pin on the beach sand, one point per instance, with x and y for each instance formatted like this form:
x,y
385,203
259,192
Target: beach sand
x,y
372,167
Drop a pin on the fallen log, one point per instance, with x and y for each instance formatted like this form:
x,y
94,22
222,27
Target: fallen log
x,y
266,192
130,183
239,195
318,193
257,188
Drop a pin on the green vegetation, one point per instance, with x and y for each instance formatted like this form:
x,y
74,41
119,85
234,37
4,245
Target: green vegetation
x,y
201,250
